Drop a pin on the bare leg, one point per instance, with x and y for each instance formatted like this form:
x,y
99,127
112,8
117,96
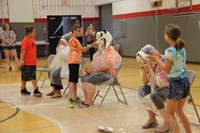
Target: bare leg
x,y
34,84
7,54
72,90
166,124
151,122
84,89
171,109
23,84
14,54
90,90
183,117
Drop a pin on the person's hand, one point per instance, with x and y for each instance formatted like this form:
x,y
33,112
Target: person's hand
x,y
93,71
9,44
95,44
146,67
155,56
87,70
19,66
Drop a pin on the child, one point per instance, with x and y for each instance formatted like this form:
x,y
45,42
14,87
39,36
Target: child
x,y
28,61
74,61
175,67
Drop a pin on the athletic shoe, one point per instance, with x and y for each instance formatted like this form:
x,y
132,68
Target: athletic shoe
x,y
78,100
37,93
71,103
25,92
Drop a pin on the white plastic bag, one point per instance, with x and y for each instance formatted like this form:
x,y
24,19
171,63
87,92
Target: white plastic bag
x,y
64,52
64,70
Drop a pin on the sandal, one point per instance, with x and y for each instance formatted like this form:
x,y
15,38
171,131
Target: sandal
x,y
56,95
50,93
160,130
150,125
83,105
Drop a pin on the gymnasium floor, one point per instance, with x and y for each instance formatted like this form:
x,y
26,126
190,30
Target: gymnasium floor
x,y
28,114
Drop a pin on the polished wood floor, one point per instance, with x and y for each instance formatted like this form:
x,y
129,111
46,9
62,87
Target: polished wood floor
x,y
28,114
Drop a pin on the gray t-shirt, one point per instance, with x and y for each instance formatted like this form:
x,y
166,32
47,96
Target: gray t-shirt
x,y
8,36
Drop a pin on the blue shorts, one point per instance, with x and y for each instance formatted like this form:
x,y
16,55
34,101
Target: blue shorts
x,y
9,48
178,89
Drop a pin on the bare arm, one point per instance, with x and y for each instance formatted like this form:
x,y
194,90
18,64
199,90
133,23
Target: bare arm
x,y
5,40
143,76
21,63
85,48
166,66
101,69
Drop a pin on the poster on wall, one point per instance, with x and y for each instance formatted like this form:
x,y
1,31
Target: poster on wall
x,y
57,27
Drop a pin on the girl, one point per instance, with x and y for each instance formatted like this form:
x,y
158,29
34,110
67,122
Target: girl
x,y
175,67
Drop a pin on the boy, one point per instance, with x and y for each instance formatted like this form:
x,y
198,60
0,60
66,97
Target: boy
x,y
28,61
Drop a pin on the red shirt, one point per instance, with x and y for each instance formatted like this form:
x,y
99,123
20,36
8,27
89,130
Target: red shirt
x,y
29,45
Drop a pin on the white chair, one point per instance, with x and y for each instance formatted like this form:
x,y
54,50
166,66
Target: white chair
x,y
45,69
111,84
84,60
191,76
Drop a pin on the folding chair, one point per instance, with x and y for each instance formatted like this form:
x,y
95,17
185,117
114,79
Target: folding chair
x,y
80,73
45,69
191,76
111,84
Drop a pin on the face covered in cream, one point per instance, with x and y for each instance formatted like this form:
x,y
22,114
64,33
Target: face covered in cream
x,y
141,56
104,39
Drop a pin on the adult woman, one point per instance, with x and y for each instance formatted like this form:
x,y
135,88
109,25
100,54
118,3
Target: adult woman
x,y
90,34
8,44
60,61
157,81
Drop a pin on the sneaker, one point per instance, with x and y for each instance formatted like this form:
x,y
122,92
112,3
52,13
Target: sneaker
x,y
25,92
78,100
71,103
37,93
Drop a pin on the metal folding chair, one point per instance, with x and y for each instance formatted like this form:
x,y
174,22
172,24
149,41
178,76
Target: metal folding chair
x,y
84,60
111,84
191,76
45,68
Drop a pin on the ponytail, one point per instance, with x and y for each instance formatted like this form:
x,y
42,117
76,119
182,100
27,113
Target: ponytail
x,y
179,44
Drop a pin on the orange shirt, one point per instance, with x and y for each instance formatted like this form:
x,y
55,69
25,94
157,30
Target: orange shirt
x,y
75,55
29,45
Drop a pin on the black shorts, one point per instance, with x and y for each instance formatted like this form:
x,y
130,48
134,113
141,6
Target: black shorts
x,y
9,48
28,73
73,72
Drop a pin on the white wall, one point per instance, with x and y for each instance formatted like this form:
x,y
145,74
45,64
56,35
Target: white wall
x,y
42,8
89,8
132,6
73,7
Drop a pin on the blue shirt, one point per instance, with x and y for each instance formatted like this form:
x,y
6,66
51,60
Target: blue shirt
x,y
178,58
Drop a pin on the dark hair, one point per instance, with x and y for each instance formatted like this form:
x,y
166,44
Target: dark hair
x,y
4,28
29,29
75,27
174,32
